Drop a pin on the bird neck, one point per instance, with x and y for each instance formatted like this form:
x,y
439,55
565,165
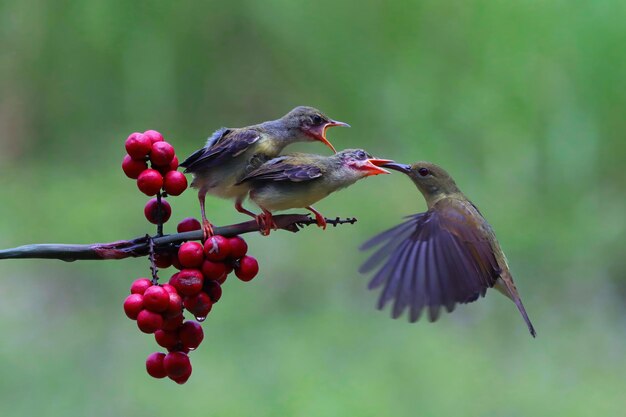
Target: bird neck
x,y
433,196
281,133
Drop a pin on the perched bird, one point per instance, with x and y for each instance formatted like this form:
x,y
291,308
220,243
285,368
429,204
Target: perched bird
x,y
439,258
299,180
230,153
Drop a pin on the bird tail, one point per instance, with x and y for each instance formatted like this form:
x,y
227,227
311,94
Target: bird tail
x,y
507,287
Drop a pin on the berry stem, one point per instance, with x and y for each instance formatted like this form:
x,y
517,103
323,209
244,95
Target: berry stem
x,y
153,267
159,215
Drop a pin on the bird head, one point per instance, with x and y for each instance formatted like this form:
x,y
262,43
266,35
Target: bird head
x,y
430,178
359,164
311,123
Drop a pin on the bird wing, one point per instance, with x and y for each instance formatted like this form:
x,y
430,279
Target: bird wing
x,y
223,144
284,168
434,259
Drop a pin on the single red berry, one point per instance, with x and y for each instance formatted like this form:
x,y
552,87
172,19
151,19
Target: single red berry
x,y
149,321
191,254
150,182
199,305
162,153
182,379
153,135
229,267
187,225
247,268
133,167
133,304
156,299
213,270
169,288
138,146
176,364
174,164
221,279
163,260
140,285
216,248
154,365
151,211
213,289
175,183
238,247
188,282
175,304
172,322
191,334
166,339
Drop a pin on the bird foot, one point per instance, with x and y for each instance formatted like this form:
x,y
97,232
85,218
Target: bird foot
x,y
261,222
207,230
320,220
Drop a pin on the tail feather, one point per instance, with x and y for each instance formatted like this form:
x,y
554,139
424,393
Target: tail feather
x,y
507,287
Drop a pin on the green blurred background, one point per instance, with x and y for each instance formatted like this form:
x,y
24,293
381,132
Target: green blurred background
x,y
522,101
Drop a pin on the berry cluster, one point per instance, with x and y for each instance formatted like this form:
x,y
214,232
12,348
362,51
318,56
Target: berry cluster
x,y
163,173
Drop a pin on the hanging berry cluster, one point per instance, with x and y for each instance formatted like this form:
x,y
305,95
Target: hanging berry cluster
x,y
159,309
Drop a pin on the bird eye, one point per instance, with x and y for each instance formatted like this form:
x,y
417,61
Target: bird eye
x,y
423,172
317,119
361,155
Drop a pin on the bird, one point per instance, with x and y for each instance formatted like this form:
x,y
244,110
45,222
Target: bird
x,y
230,153
299,180
444,256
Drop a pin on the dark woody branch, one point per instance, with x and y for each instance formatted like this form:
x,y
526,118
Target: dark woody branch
x,y
140,246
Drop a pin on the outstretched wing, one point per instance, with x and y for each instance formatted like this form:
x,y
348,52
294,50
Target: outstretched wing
x,y
223,144
435,259
284,168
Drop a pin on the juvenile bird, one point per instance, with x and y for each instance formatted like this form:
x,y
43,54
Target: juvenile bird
x,y
439,258
299,180
230,153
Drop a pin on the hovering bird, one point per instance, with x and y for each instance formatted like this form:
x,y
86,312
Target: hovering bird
x,y
439,258
231,153
299,180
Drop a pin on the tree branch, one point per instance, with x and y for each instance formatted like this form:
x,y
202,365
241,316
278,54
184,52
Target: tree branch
x,y
140,246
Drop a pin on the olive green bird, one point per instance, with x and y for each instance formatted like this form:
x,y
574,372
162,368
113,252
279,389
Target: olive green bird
x,y
299,180
230,153
439,258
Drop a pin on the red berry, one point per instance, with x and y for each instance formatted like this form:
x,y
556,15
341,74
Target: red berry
x,y
216,248
140,285
149,321
133,304
153,135
175,183
199,305
133,167
138,146
188,282
177,364
151,211
173,322
221,279
175,304
182,379
169,288
187,225
238,247
174,164
191,255
156,299
163,260
213,270
150,182
161,153
154,365
247,268
191,334
166,339
213,289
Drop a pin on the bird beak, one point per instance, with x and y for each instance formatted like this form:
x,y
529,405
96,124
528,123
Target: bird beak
x,y
372,166
320,133
398,167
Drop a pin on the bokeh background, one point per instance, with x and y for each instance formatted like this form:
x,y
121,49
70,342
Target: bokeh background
x,y
522,101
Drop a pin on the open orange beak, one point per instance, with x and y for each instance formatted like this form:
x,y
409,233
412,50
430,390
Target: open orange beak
x,y
320,133
372,166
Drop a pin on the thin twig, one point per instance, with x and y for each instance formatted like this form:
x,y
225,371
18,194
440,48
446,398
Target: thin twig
x,y
140,246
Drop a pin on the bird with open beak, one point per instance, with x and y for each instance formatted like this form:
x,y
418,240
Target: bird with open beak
x,y
231,153
439,258
300,180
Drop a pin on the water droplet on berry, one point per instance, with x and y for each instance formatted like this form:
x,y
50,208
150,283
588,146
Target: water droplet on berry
x,y
200,319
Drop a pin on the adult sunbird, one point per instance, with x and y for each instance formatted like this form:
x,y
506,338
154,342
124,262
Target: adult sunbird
x,y
300,180
439,258
230,153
